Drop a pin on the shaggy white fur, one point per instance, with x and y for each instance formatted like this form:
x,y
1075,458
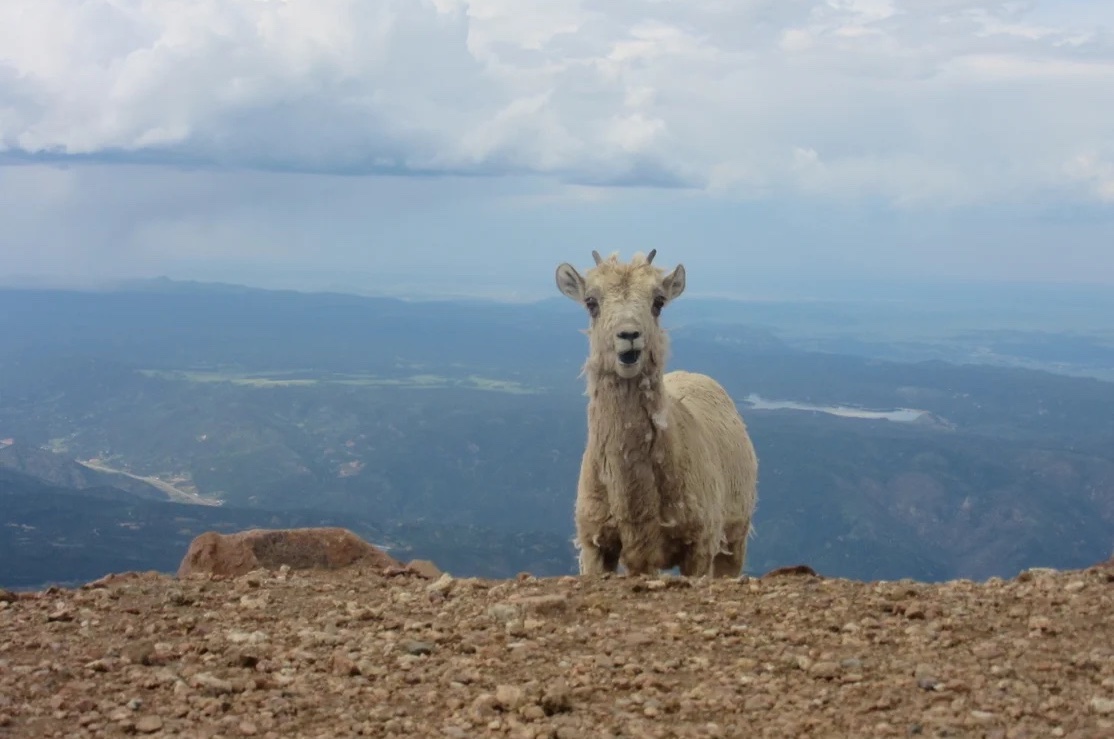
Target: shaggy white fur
x,y
669,474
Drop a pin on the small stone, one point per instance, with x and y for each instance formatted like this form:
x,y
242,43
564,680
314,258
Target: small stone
x,y
343,666
483,707
418,648
139,653
759,702
254,578
442,584
508,697
544,604
148,724
503,612
371,670
1042,625
244,637
210,684
178,598
824,670
426,569
247,728
1102,706
983,717
556,698
1075,586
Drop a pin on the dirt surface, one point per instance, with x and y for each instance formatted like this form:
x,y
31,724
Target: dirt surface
x,y
360,653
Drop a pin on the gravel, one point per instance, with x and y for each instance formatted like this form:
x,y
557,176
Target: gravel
x,y
357,653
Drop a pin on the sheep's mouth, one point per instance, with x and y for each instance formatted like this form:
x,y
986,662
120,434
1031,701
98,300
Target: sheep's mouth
x,y
629,357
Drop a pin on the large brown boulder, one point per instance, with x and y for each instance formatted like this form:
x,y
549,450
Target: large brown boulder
x,y
229,555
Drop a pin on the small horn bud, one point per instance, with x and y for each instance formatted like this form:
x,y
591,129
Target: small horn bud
x,y
597,257
650,257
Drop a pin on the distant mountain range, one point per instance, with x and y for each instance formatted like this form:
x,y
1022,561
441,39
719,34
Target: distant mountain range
x,y
455,430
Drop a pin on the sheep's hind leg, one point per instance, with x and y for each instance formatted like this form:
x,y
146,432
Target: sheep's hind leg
x,y
731,557
730,563
697,561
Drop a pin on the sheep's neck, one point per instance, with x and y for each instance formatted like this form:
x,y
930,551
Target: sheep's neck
x,y
628,424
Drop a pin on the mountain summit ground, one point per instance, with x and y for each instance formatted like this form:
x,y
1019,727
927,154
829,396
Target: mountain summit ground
x,y
367,651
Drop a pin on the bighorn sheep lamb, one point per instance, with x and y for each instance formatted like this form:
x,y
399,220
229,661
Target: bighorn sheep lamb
x,y
669,474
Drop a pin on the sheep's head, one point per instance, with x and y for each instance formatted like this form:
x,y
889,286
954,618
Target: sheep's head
x,y
624,301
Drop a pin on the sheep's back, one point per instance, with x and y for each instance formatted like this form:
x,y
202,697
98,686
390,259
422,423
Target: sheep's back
x,y
716,453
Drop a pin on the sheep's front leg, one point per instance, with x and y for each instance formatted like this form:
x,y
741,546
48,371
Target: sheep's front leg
x,y
596,560
642,549
596,539
599,548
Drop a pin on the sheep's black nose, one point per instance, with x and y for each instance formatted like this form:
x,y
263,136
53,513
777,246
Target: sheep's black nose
x,y
629,335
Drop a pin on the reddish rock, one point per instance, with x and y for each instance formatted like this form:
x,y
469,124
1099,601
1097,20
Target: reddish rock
x,y
792,570
230,555
1106,568
425,568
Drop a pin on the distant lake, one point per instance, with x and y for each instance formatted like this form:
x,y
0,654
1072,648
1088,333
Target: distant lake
x,y
901,415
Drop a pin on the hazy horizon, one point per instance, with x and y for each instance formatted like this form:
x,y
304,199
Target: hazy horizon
x,y
539,287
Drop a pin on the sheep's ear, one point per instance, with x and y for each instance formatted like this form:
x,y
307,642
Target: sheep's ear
x,y
674,282
570,283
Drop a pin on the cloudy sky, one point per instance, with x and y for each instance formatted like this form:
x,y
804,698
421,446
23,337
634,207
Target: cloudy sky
x,y
477,143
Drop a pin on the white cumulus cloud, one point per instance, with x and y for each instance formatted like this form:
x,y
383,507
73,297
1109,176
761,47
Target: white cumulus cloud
x,y
955,101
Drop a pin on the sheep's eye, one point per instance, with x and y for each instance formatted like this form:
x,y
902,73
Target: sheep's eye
x,y
593,306
659,303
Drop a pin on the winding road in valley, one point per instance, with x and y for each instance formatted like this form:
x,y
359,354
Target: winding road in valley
x,y
176,494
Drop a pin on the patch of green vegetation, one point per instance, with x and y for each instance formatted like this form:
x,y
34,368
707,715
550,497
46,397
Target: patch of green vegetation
x,y
503,386
269,380
252,380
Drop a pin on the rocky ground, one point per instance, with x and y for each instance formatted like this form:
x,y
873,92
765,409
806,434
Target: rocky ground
x,y
369,652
